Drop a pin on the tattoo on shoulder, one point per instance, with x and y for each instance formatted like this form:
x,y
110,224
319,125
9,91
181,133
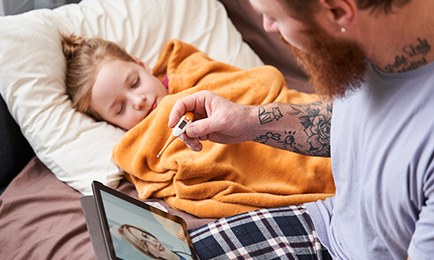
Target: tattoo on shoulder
x,y
413,57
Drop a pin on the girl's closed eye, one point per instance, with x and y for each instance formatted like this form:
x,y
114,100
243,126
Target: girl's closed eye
x,y
120,109
136,83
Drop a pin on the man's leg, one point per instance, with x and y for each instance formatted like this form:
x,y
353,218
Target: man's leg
x,y
276,233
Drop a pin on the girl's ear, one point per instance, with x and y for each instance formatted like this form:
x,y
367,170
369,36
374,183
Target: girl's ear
x,y
141,63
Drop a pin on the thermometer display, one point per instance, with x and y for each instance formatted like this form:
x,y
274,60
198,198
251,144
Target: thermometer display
x,y
185,120
183,123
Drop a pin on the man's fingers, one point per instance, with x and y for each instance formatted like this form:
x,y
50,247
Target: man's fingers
x,y
192,143
204,127
194,103
176,113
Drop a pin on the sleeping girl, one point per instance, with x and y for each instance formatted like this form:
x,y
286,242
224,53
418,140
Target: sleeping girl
x,y
107,83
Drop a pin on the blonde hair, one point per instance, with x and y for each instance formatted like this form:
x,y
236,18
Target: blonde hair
x,y
84,58
134,241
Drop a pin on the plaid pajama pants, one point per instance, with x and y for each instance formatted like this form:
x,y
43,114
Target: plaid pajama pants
x,y
276,233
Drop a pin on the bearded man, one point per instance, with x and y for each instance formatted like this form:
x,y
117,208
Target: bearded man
x,y
372,61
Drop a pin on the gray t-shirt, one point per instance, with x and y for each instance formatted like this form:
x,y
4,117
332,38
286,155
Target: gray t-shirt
x,y
382,149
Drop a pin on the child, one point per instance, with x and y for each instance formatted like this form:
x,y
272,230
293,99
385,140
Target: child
x,y
109,84
105,82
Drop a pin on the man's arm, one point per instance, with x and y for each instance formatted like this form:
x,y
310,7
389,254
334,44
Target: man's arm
x,y
303,129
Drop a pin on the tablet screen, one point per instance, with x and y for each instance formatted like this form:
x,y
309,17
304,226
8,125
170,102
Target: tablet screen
x,y
135,230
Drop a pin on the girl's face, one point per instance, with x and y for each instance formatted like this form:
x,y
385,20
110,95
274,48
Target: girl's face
x,y
125,93
155,247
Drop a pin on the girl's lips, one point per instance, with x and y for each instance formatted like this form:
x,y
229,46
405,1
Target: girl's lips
x,y
162,248
152,107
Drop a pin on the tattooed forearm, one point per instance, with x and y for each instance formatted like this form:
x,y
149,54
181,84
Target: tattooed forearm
x,y
267,117
287,141
304,129
414,57
316,122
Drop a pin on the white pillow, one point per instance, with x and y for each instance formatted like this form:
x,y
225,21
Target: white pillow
x,y
32,70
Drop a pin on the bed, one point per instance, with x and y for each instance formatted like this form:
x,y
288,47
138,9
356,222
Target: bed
x,y
45,167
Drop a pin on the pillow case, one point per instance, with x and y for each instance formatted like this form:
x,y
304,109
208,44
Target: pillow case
x,y
32,70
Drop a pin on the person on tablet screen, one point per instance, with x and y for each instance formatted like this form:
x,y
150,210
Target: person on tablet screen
x,y
146,243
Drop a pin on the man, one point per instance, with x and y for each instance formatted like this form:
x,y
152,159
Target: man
x,y
372,60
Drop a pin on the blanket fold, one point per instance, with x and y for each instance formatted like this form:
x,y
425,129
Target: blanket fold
x,y
221,180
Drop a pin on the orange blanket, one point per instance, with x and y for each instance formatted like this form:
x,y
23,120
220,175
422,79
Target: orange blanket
x,y
221,180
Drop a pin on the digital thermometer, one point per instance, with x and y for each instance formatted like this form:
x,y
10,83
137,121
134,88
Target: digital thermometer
x,y
185,120
180,127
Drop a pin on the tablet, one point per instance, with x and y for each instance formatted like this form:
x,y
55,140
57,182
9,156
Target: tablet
x,y
133,229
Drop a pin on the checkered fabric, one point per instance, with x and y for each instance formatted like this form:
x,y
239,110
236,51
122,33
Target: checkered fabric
x,y
276,233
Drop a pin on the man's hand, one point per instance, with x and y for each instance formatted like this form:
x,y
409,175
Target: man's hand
x,y
216,119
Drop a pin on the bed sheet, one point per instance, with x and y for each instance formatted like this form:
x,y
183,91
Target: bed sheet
x,y
44,220
41,217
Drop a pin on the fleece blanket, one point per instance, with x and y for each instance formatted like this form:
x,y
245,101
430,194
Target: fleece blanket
x,y
221,180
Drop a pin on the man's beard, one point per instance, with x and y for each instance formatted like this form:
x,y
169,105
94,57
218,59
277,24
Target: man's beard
x,y
333,66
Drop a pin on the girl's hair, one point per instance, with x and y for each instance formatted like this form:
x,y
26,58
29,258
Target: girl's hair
x,y
83,60
302,10
134,241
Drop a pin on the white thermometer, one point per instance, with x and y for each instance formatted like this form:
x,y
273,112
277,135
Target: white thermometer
x,y
180,127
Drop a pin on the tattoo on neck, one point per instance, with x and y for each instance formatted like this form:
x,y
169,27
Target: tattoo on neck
x,y
414,57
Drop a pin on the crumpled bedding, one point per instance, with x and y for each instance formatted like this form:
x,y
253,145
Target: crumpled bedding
x,y
221,180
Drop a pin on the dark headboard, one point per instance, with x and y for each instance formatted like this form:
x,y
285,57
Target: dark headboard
x,y
15,151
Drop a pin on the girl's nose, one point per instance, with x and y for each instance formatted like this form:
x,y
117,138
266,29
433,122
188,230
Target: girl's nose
x,y
153,243
139,102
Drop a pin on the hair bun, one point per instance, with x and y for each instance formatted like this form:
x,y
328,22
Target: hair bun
x,y
70,45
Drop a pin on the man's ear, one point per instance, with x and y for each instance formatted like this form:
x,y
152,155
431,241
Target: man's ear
x,y
340,13
141,63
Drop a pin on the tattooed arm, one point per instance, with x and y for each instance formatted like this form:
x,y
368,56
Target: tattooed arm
x,y
301,128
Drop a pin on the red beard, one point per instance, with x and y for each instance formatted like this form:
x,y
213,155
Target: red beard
x,y
333,66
